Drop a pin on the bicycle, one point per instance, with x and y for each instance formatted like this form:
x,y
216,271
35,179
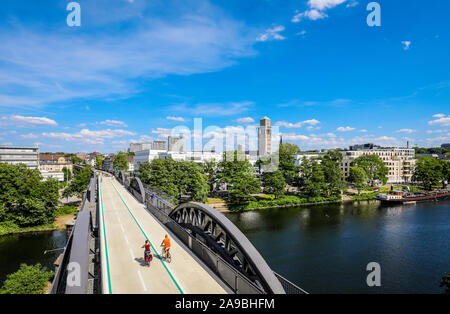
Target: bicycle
x,y
163,254
148,258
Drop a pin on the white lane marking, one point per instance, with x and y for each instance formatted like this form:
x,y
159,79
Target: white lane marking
x,y
121,227
126,239
142,280
132,255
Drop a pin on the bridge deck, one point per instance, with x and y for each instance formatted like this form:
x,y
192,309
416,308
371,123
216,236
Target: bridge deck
x,y
125,224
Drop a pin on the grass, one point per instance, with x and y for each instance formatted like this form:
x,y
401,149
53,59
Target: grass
x,y
65,210
9,227
284,200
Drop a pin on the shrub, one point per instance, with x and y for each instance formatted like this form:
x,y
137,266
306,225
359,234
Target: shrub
x,y
7,227
65,210
27,280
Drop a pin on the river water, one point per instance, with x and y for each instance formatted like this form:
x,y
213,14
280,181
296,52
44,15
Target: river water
x,y
326,248
29,248
323,249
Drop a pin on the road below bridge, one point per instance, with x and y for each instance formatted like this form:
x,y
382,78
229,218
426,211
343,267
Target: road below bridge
x,y
125,224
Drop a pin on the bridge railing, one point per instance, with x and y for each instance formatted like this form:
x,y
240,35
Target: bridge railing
x,y
289,287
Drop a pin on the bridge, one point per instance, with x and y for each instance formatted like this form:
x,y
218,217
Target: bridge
x,y
209,254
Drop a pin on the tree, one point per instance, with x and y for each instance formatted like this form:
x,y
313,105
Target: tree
x,y
428,170
79,183
312,178
446,282
27,280
445,172
99,161
120,161
24,198
274,183
239,176
373,167
210,168
77,161
334,176
176,178
287,165
358,178
67,174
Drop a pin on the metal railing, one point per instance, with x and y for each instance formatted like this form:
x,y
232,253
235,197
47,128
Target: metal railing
x,y
289,287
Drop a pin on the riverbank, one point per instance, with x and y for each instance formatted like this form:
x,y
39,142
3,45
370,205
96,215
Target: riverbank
x,y
63,216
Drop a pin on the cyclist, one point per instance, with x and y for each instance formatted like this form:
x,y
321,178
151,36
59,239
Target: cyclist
x,y
166,244
146,247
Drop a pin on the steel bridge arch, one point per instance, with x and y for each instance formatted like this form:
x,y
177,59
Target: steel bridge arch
x,y
137,189
222,236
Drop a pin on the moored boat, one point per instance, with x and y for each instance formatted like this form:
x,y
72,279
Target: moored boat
x,y
403,197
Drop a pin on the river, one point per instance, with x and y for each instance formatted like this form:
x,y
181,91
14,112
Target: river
x,y
326,248
29,248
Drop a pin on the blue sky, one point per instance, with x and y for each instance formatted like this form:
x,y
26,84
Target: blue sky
x,y
137,68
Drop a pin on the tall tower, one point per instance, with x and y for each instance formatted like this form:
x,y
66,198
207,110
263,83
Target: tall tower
x,y
264,137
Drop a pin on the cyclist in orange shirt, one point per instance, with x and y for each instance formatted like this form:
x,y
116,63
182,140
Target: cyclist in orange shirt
x,y
166,244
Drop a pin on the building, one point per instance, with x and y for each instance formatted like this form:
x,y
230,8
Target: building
x,y
108,163
82,156
55,175
146,155
159,145
445,145
399,161
264,137
20,155
130,160
176,144
135,147
312,155
54,162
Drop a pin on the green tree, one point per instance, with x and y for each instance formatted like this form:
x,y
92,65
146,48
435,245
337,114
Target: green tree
x,y
77,161
210,168
27,280
428,170
80,183
120,161
99,161
446,282
445,172
24,198
176,178
358,178
334,176
274,183
373,167
312,178
238,174
67,174
287,165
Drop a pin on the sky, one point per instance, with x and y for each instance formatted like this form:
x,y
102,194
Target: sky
x,y
135,69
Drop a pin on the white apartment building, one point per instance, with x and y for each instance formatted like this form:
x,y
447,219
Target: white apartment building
x,y
135,147
20,155
299,157
399,161
55,175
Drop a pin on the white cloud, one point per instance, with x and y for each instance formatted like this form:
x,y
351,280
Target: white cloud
x,y
214,109
298,124
88,136
180,119
272,34
309,14
324,4
29,136
406,44
200,38
363,131
345,129
406,131
26,121
439,115
114,123
245,120
443,121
